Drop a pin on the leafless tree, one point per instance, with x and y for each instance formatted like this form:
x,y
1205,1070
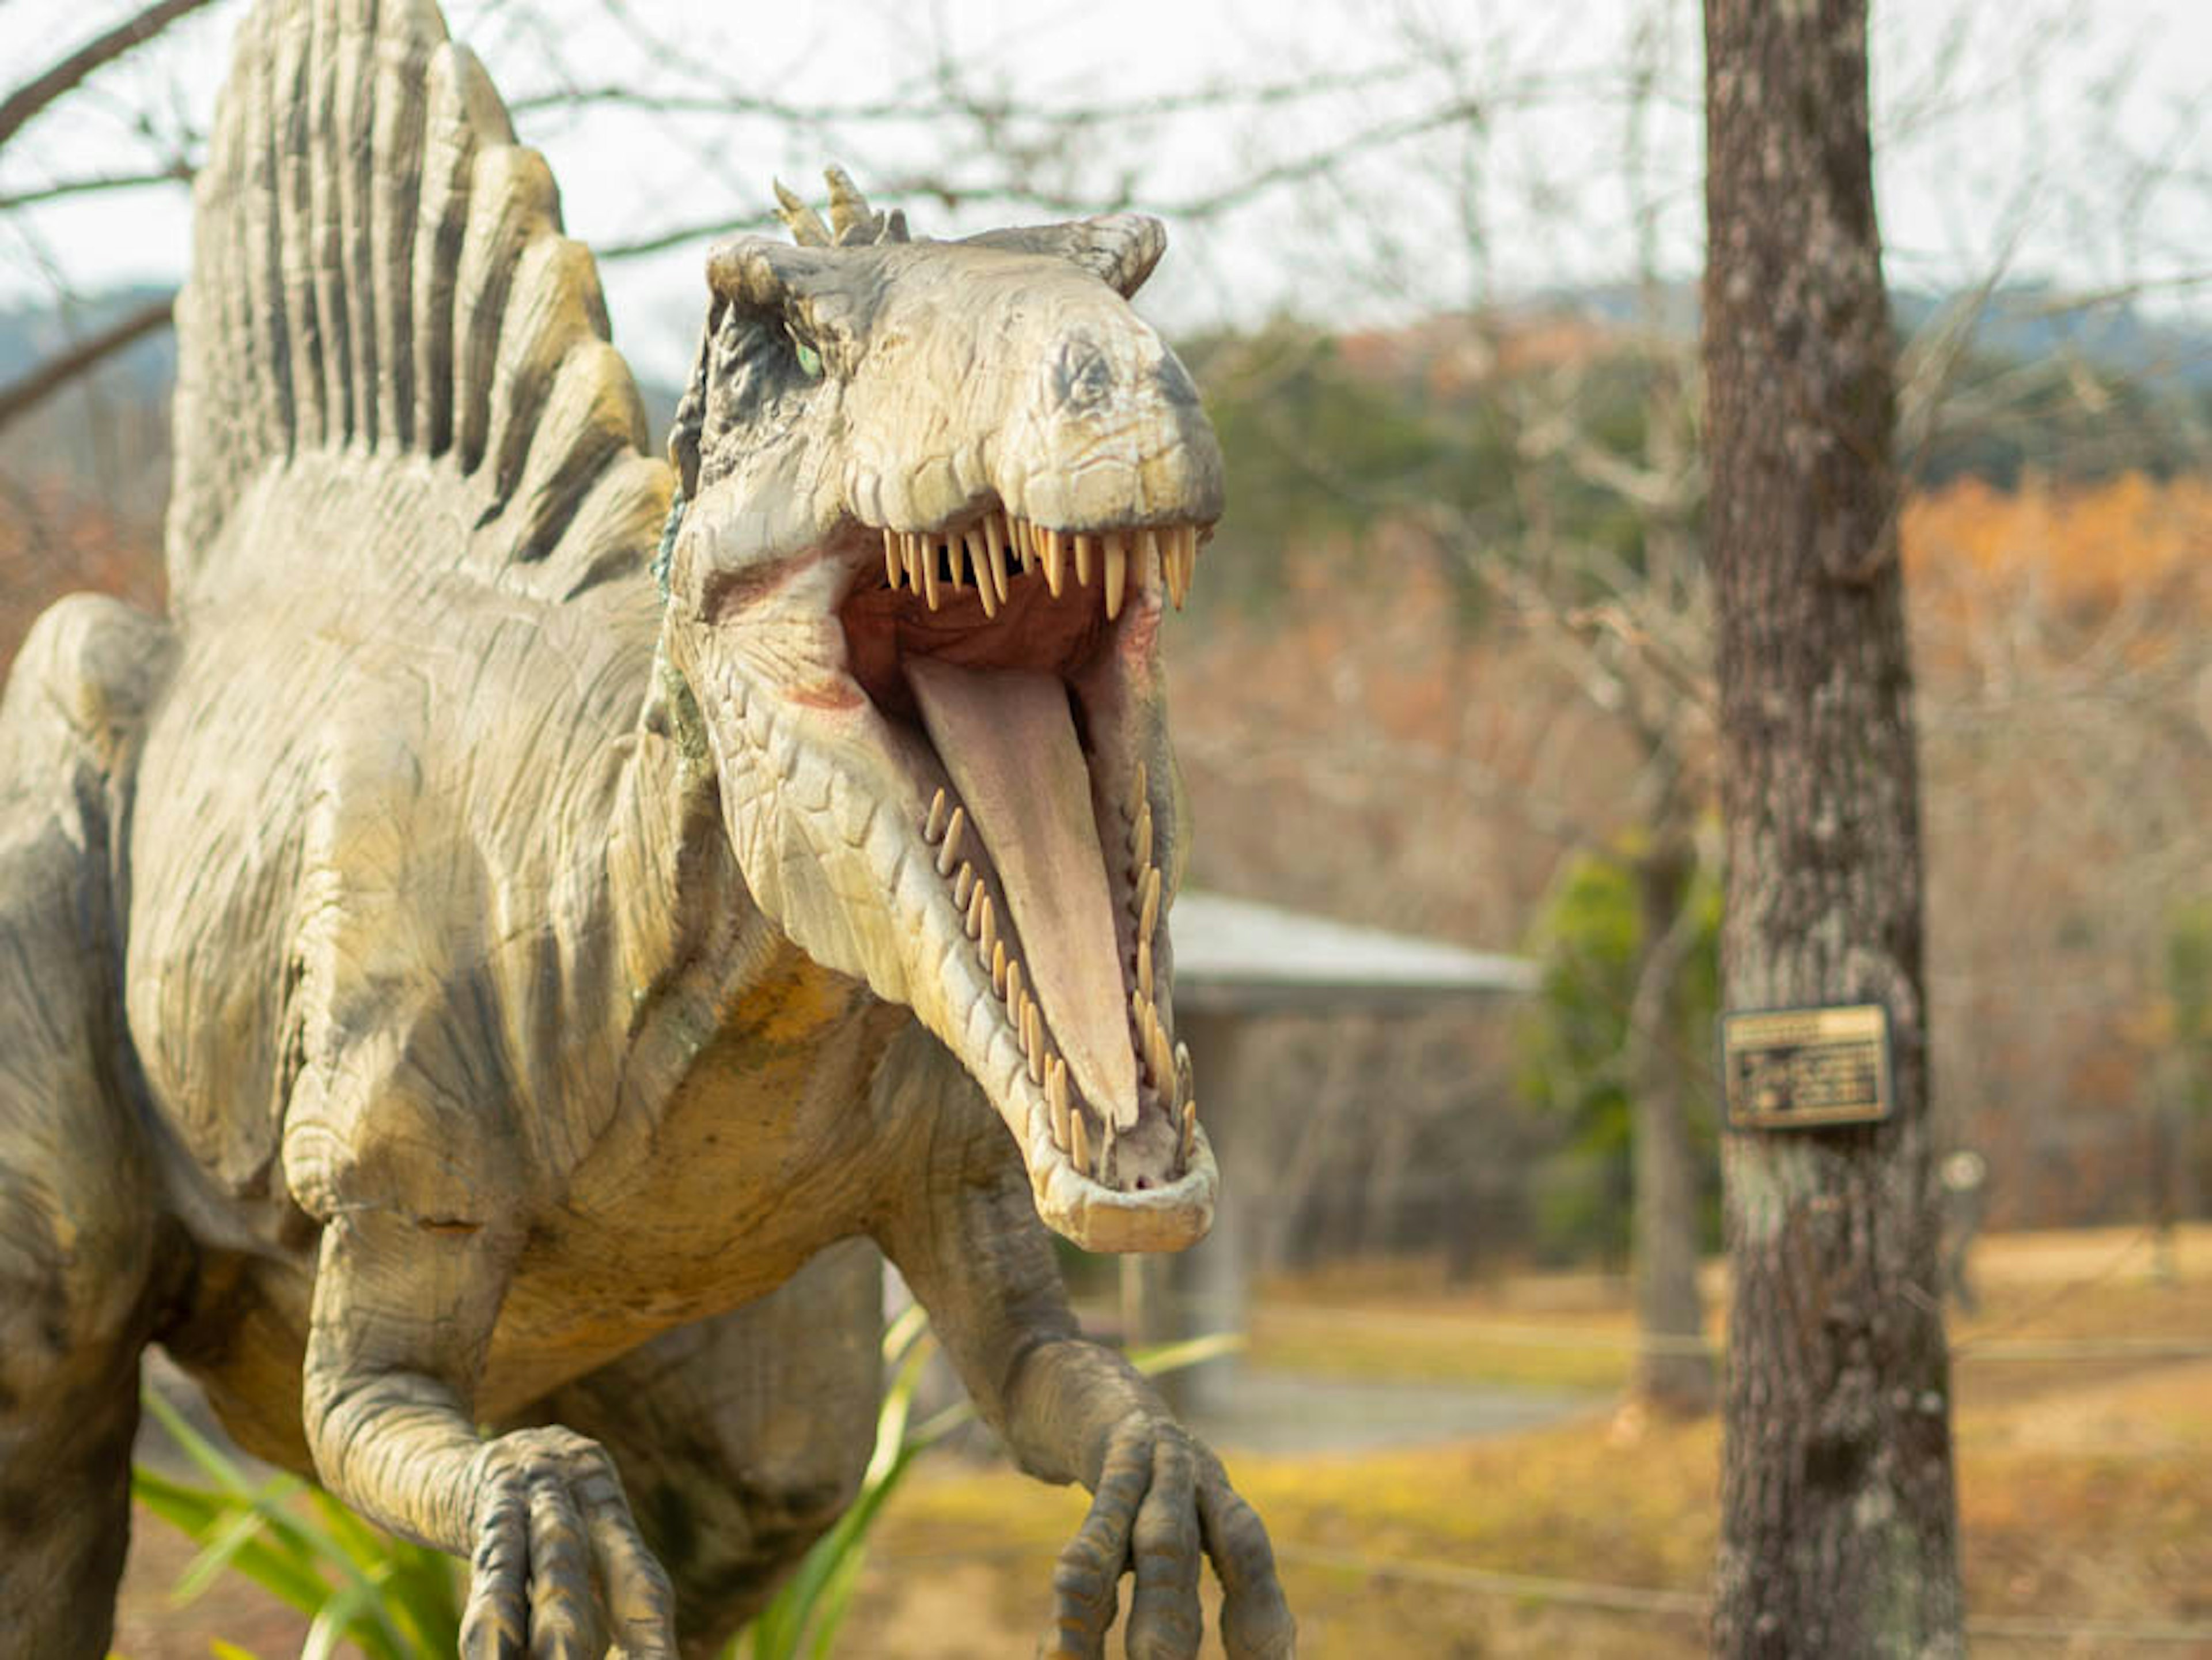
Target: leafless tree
x,y
1839,1530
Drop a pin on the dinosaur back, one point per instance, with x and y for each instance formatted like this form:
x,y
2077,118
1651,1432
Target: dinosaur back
x,y
379,284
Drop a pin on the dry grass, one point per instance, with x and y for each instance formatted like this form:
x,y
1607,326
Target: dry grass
x,y
2085,1484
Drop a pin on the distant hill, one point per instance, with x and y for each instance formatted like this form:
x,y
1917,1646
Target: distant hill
x,y
30,334
2024,323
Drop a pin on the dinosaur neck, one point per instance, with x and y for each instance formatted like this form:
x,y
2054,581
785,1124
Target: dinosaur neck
x,y
685,926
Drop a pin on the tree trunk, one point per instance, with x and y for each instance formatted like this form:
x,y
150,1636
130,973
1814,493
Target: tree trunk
x,y
1839,1533
1674,1368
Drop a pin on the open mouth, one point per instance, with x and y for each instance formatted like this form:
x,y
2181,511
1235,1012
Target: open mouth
x,y
1016,662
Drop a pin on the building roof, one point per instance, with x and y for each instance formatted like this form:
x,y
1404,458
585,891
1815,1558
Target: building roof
x,y
1238,955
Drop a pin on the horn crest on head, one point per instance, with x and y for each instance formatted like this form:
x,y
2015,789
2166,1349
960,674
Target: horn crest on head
x,y
1120,249
851,223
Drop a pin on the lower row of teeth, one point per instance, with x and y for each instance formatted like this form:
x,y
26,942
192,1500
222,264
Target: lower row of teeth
x,y
934,563
1166,1065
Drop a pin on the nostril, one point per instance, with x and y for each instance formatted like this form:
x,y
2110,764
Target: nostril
x,y
1143,1183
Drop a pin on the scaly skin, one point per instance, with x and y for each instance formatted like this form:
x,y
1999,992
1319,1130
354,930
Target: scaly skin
x,y
508,991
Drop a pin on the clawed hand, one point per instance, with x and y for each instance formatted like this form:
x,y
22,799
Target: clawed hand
x,y
1163,1502
550,1518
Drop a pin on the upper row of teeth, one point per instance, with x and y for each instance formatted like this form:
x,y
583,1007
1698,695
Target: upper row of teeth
x,y
977,556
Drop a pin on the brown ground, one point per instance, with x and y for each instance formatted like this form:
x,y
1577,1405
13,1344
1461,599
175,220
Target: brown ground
x,y
2085,1483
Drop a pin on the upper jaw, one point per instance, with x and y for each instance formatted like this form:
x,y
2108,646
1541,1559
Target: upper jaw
x,y
846,647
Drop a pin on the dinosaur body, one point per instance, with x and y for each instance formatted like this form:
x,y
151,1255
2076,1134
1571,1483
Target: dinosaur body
x,y
449,978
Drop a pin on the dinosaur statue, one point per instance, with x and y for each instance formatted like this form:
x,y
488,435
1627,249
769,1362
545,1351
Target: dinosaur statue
x,y
488,1013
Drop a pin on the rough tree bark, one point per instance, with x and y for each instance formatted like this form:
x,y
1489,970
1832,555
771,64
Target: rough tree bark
x,y
1839,1532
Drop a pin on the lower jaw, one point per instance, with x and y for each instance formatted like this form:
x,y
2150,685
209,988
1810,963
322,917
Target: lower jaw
x,y
1098,1219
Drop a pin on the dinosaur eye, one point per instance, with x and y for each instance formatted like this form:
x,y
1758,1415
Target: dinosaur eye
x,y
810,361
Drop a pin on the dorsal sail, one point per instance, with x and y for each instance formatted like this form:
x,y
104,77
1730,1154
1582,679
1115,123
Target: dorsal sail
x,y
379,280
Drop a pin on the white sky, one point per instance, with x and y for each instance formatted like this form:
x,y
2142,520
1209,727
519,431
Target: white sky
x,y
2066,140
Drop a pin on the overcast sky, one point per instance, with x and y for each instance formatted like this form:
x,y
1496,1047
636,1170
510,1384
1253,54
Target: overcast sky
x,y
2064,140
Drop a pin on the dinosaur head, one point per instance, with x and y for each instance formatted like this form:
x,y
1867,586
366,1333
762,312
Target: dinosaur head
x,y
940,497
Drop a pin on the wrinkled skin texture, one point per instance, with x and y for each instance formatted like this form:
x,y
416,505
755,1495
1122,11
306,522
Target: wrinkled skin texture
x,y
489,1013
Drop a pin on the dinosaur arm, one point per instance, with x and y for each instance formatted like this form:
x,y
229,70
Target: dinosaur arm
x,y
402,1322
965,1236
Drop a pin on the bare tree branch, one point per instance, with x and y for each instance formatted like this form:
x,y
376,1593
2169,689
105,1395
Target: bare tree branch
x,y
178,172
34,95
20,397
931,105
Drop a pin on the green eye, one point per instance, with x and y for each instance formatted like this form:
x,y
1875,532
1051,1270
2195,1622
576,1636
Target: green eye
x,y
810,361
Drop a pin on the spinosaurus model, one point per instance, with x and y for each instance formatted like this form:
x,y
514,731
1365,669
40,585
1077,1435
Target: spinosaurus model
x,y
485,1010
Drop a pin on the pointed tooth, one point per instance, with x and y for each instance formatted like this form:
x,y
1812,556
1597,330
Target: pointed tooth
x,y
989,936
1140,839
1055,1095
1083,561
1013,992
1040,1073
1106,1150
1055,569
1186,1078
1144,967
910,555
1080,1136
892,569
948,853
994,551
1162,1054
979,566
1189,1129
1140,793
978,902
1117,573
963,886
999,967
929,573
1180,552
935,827
1148,903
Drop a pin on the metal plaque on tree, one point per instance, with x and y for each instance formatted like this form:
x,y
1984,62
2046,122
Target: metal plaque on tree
x,y
1800,1068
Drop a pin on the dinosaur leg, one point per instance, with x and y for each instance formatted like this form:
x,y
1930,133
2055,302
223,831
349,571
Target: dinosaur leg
x,y
740,1440
79,1227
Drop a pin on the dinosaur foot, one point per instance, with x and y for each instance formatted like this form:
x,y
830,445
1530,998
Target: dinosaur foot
x,y
1163,1505
560,1570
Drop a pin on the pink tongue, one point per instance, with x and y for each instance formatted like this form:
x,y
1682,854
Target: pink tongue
x,y
1009,742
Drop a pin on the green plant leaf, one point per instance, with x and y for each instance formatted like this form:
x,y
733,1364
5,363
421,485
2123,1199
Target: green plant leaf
x,y
209,1459
198,1514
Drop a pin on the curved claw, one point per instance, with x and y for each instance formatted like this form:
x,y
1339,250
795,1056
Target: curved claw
x,y
552,1526
1163,1503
